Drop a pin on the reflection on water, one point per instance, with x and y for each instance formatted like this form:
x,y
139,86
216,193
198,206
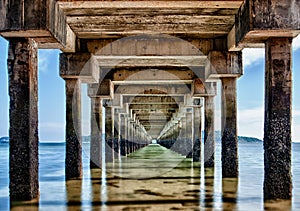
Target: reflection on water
x,y
152,178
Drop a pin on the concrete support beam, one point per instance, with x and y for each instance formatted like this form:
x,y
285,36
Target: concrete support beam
x,y
257,21
23,114
277,127
209,132
223,64
148,90
153,99
96,133
73,165
103,89
79,65
41,20
202,89
197,134
229,128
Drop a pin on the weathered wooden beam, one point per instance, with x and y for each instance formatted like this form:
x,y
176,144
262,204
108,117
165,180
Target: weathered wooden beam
x,y
153,100
257,21
41,20
152,106
104,89
223,64
151,44
152,89
151,61
202,89
82,66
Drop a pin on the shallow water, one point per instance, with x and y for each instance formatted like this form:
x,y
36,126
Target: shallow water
x,y
151,181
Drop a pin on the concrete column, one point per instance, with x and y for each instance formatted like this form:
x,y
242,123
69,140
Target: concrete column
x,y
197,134
96,133
209,132
23,114
73,165
277,127
189,134
123,124
116,133
108,134
119,124
229,128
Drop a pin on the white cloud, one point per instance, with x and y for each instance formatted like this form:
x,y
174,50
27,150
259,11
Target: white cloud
x,y
45,56
252,56
51,126
250,122
296,43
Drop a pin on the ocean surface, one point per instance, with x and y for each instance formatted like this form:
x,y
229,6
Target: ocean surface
x,y
185,187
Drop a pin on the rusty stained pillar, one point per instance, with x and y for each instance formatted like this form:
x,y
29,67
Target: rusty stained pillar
x,y
23,114
277,126
229,128
73,165
108,134
96,133
197,134
209,132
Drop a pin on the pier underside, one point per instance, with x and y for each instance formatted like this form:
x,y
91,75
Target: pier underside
x,y
150,67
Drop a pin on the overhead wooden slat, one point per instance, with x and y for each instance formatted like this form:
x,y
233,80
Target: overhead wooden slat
x,y
150,11
149,19
79,4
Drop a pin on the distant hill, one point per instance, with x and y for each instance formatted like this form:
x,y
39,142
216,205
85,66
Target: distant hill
x,y
4,139
242,139
248,139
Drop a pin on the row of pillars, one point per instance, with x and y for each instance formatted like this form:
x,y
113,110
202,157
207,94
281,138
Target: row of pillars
x,y
184,136
23,92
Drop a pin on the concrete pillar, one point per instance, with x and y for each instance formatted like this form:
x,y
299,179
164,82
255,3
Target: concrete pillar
x,y
73,165
96,133
108,134
277,127
209,132
119,124
123,124
23,114
189,134
197,134
229,128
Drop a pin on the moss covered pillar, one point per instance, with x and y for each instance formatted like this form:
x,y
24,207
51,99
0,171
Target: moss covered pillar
x,y
73,164
229,128
277,127
23,114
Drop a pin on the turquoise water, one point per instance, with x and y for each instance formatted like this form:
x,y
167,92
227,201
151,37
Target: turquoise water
x,y
180,188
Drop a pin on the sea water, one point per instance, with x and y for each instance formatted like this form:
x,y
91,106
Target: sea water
x,y
246,193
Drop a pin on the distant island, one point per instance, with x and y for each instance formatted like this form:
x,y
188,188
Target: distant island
x,y
242,139
4,139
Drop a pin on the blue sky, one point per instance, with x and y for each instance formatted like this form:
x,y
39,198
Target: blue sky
x,y
52,95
